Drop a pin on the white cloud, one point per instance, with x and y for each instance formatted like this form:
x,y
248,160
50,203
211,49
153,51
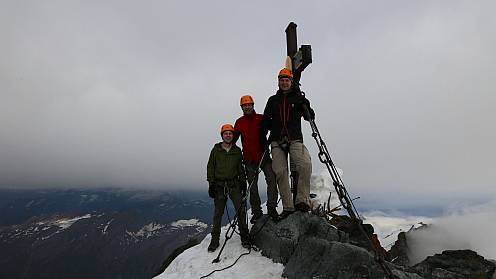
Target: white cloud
x,y
466,228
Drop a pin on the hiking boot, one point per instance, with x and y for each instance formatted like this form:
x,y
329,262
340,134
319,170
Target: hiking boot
x,y
272,212
285,214
303,207
245,242
255,217
214,244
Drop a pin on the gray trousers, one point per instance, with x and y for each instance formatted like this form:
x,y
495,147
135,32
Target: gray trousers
x,y
302,160
270,179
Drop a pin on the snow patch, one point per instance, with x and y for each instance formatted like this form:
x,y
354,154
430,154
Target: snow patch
x,y
66,223
146,231
320,189
190,223
104,231
197,262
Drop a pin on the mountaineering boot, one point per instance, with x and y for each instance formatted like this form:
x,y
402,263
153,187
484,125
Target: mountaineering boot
x,y
214,244
272,212
285,214
245,241
255,217
303,207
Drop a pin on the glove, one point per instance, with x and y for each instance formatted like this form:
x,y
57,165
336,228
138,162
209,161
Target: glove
x,y
304,101
212,192
242,187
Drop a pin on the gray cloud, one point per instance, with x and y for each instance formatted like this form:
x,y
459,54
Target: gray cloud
x,y
133,94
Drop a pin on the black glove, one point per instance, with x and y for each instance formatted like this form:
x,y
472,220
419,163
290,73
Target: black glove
x,y
304,101
212,192
242,187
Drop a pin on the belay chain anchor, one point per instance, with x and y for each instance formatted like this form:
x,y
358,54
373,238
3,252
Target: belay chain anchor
x,y
344,197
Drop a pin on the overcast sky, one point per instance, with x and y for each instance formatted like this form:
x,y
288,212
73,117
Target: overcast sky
x,y
133,93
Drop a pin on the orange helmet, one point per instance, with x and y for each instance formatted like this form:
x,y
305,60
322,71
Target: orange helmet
x,y
226,127
247,99
284,72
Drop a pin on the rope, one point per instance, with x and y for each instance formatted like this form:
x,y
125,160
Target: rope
x,y
227,267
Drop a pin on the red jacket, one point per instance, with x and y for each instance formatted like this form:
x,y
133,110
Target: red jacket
x,y
248,127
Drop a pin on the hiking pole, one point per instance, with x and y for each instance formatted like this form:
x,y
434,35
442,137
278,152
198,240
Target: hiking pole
x,y
258,172
233,227
235,218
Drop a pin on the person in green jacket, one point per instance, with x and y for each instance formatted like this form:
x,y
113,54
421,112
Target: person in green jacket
x,y
226,177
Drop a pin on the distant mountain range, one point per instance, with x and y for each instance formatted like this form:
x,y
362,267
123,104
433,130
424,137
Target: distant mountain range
x,y
103,233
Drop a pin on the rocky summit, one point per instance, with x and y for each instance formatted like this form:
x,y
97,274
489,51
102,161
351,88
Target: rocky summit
x,y
312,247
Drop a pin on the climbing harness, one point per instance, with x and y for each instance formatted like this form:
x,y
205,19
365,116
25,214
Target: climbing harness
x,y
232,227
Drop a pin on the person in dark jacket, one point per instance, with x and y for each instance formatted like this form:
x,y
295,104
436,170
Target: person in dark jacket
x,y
282,116
226,177
248,128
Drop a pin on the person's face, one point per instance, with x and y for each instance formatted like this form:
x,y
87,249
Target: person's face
x,y
284,83
247,109
227,136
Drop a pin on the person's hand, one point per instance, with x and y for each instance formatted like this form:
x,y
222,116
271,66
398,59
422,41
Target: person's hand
x,y
212,192
311,113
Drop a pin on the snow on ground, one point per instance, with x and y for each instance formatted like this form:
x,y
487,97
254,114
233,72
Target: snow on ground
x,y
65,223
104,231
189,223
321,187
197,262
146,231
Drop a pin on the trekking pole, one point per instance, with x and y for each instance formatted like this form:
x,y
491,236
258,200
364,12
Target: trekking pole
x,y
235,218
258,172
231,229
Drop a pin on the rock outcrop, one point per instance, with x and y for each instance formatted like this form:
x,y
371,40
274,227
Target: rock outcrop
x,y
455,264
312,247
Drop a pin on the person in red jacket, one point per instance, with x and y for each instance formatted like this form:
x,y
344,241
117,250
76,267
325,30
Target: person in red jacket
x,y
248,127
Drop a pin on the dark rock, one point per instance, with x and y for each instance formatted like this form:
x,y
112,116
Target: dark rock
x,y
318,258
400,250
310,247
278,240
455,264
346,224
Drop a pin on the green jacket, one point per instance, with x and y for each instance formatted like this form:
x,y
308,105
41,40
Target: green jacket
x,y
225,166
